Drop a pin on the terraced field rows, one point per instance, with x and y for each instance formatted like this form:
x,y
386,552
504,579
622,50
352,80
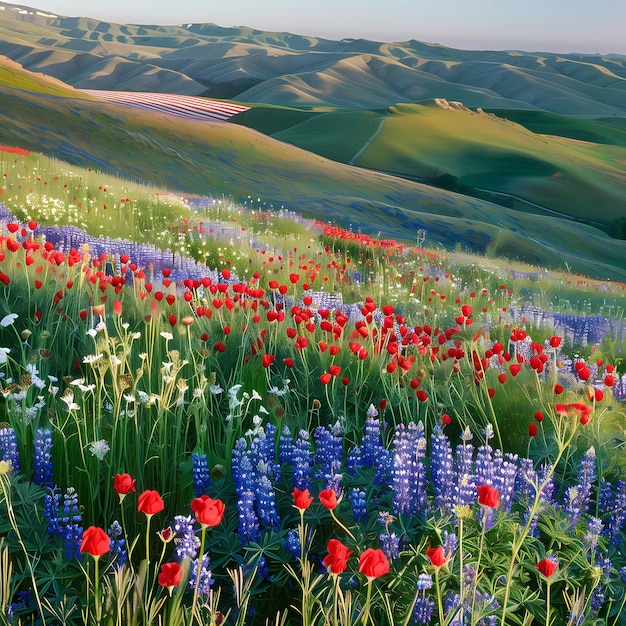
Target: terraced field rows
x,y
187,107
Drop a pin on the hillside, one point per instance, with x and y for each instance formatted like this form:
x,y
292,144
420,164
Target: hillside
x,y
449,145
286,69
217,158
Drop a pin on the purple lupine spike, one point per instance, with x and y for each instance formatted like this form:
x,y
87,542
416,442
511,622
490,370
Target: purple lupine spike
x,y
248,528
302,461
206,576
201,475
464,484
265,504
408,474
187,542
578,496
42,459
70,524
359,504
328,450
8,448
442,468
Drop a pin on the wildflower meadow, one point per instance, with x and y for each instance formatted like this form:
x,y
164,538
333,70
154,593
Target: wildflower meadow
x,y
219,413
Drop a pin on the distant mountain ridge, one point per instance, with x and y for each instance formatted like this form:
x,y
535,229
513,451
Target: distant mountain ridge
x,y
286,69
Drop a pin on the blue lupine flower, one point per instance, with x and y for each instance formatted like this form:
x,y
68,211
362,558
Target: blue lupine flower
x,y
390,545
187,542
292,542
118,552
52,504
409,472
266,507
465,483
248,528
578,496
302,461
70,524
359,504
618,515
328,450
206,576
597,599
424,582
423,611
450,543
201,474
442,468
594,530
285,447
42,460
8,448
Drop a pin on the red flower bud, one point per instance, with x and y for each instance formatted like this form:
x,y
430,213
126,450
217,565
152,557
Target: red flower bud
x,y
436,556
337,559
95,542
488,496
547,566
373,563
208,512
302,499
328,498
150,503
170,575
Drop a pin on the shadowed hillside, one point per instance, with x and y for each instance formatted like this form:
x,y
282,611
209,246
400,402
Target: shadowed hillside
x,y
286,69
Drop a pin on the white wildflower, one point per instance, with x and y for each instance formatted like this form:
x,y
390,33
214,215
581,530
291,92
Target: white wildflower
x,y
92,358
167,336
99,449
3,355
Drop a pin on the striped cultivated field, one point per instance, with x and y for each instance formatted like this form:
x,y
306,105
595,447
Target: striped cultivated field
x,y
187,107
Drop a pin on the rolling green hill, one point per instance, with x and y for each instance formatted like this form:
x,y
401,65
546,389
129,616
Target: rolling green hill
x,y
218,158
449,145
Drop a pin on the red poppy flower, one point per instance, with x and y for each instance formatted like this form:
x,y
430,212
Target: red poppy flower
x,y
532,430
267,360
547,566
325,378
488,496
208,512
150,503
337,559
302,499
170,575
95,542
123,485
539,416
436,556
328,498
555,341
373,563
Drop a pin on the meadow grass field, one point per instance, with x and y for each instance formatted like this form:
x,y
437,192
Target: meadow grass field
x,y
218,414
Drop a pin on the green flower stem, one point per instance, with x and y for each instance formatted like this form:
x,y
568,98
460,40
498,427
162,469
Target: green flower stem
x,y
461,581
149,518
96,587
480,554
548,582
200,559
368,599
439,598
332,513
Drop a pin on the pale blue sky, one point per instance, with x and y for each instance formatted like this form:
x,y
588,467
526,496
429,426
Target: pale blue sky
x,y
531,25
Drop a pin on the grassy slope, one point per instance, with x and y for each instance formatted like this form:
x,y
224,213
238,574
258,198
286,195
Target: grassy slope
x,y
423,142
228,159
